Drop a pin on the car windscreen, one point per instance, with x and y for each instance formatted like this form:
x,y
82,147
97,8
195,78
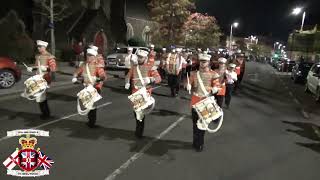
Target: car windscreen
x,y
122,50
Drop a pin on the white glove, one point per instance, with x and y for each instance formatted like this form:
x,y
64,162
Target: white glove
x,y
214,90
127,86
74,80
152,79
147,80
189,87
43,68
29,69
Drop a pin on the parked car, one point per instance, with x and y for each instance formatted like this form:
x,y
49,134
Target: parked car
x,y
300,71
9,72
313,81
116,60
285,65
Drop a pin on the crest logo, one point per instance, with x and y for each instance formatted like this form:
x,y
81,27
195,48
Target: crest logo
x,y
27,158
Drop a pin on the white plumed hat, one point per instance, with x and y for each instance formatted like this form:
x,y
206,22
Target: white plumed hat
x,y
42,43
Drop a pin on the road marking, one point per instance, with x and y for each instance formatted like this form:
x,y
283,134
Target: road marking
x,y
296,101
57,120
305,114
137,155
316,130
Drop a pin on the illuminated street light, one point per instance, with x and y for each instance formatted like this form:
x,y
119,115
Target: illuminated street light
x,y
235,24
296,11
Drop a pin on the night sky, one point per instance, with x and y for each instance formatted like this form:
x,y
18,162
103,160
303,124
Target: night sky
x,y
261,17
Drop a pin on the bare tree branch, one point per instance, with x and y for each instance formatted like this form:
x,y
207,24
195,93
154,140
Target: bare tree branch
x,y
44,5
41,13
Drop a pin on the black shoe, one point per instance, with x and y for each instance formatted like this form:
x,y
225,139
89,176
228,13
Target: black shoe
x,y
199,149
44,117
91,125
139,136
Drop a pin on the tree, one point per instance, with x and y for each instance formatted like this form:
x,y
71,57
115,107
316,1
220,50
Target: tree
x,y
202,31
170,16
54,11
15,42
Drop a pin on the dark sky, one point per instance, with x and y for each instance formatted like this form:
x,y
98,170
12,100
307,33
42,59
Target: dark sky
x,y
261,17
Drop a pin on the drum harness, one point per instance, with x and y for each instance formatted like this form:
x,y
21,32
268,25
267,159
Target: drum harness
x,y
88,88
202,122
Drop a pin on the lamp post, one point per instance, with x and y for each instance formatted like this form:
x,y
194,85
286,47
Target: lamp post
x,y
274,45
235,24
297,11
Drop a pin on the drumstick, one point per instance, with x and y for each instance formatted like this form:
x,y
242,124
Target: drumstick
x,y
25,64
188,82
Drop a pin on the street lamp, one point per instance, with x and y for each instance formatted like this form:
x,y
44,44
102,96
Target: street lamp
x,y
235,24
274,45
296,11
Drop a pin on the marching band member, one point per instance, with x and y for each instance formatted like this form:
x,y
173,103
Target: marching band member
x,y
231,76
203,83
152,55
141,74
44,64
174,65
93,74
240,68
163,59
222,80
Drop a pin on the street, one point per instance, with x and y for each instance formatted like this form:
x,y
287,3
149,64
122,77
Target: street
x,y
270,132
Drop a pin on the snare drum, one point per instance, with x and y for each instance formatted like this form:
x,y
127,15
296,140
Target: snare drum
x,y
86,98
208,110
141,99
35,86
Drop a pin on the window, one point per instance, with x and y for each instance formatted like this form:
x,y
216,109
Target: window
x,y
130,32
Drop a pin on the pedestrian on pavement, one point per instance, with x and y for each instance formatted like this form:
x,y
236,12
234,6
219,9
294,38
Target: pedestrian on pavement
x,y
141,75
231,79
222,80
174,66
44,64
78,52
93,75
152,55
240,69
203,83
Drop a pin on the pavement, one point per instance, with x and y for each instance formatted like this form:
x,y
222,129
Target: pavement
x,y
265,134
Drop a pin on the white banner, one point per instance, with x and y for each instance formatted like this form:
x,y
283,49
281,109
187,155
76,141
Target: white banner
x,y
35,173
33,132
